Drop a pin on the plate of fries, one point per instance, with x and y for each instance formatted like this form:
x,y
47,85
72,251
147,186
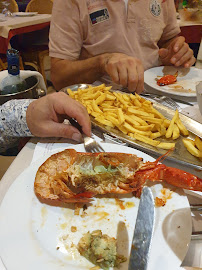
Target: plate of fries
x,y
147,126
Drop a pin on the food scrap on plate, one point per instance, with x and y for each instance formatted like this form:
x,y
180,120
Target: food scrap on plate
x,y
167,79
100,249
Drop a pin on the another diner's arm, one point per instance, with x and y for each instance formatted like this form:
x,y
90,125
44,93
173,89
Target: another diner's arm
x,y
123,69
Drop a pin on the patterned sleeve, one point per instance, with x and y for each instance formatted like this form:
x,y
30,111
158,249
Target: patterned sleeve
x,y
13,122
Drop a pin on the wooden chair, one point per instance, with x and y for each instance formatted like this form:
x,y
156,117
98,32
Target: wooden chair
x,y
13,7
41,49
40,6
2,65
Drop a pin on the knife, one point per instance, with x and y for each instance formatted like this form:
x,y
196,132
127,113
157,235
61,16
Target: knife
x,y
143,233
144,94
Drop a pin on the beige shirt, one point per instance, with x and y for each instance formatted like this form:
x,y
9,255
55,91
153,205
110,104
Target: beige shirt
x,y
84,28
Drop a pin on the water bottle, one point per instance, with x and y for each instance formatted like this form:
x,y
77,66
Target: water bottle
x,y
12,83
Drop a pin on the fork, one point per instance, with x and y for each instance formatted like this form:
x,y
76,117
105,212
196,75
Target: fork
x,y
167,101
90,144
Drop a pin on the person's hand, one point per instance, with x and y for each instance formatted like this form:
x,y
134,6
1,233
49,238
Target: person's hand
x,y
125,70
177,53
45,117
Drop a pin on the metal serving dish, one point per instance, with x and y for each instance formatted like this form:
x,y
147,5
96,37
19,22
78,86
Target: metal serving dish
x,y
180,154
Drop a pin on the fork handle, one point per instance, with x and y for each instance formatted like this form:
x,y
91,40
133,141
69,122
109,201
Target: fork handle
x,y
75,124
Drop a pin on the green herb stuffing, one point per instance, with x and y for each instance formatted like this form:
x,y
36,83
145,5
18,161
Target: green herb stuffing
x,y
100,249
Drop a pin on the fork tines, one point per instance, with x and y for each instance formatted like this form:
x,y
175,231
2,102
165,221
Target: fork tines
x,y
92,146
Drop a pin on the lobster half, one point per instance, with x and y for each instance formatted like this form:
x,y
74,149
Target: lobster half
x,y
71,176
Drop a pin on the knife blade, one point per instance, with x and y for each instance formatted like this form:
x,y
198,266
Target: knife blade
x,y
145,94
143,232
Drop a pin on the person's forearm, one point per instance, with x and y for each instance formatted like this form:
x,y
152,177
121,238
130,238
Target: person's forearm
x,y
66,72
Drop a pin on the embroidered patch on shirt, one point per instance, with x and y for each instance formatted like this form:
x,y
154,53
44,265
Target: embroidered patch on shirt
x,y
155,8
99,16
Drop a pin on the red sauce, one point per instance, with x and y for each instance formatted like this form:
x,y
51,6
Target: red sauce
x,y
167,79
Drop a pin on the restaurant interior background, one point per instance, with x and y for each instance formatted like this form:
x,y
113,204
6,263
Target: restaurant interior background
x,y
34,54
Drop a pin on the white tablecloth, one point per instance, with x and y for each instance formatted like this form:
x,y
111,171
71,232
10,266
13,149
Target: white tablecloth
x,y
18,22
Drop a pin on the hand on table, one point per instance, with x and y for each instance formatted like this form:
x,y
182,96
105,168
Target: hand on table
x,y
45,117
125,70
177,53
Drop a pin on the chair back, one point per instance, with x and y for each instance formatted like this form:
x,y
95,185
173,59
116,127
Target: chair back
x,y
13,7
40,6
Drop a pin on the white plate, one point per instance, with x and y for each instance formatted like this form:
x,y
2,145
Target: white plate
x,y
24,14
32,232
187,78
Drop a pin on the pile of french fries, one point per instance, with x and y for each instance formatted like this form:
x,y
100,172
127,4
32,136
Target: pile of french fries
x,y
131,114
194,146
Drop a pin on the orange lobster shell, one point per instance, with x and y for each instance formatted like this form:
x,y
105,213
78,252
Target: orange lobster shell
x,y
71,176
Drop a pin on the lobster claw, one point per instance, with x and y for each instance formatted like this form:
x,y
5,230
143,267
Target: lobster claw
x,y
172,176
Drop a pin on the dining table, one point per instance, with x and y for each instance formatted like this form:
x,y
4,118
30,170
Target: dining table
x,y
36,148
11,26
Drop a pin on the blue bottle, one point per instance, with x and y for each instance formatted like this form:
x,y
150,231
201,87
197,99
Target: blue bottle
x,y
12,83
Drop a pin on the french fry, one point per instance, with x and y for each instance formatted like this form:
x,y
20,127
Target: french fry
x,y
110,97
113,120
176,132
138,112
134,130
130,120
198,143
95,107
104,122
120,115
192,149
70,92
155,135
95,114
100,99
144,128
145,139
166,123
122,129
182,128
138,119
165,145
153,120
169,131
191,141
157,113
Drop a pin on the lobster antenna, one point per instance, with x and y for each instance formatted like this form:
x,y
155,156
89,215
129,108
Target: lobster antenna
x,y
164,156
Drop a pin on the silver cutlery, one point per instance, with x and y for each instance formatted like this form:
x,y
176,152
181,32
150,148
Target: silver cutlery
x,y
90,144
143,233
166,100
196,207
